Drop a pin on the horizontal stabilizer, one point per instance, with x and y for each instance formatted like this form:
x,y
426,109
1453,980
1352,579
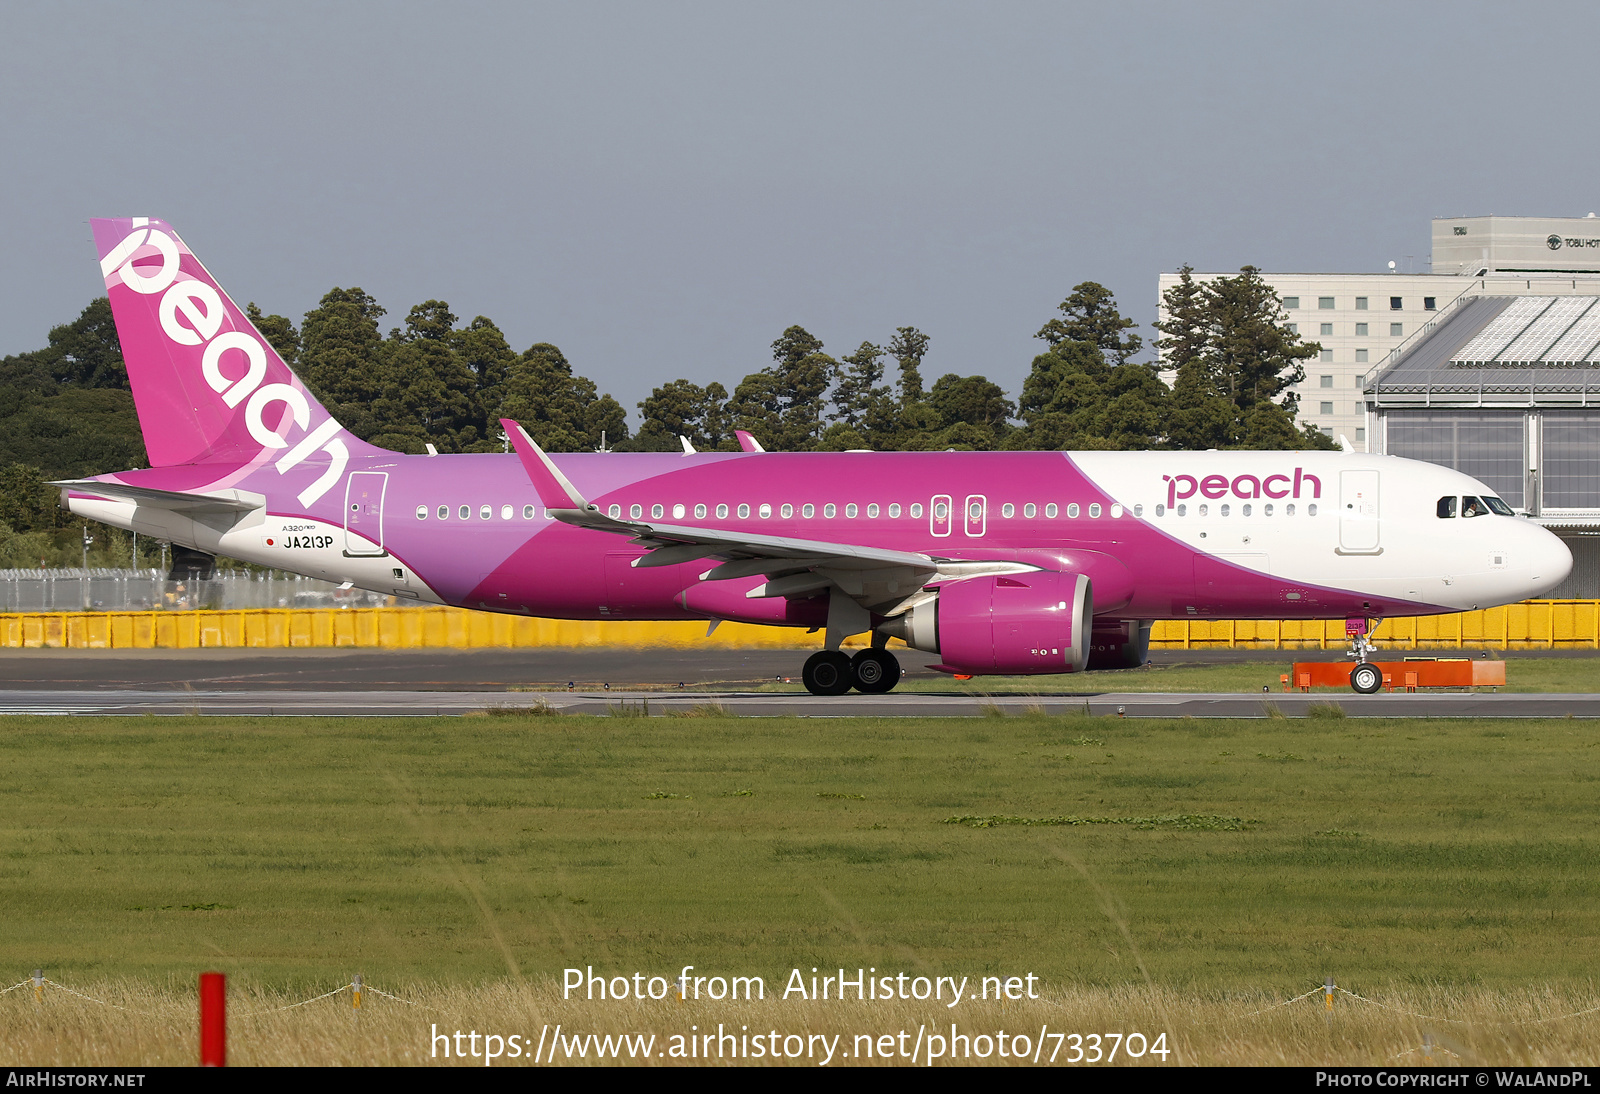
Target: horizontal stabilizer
x,y
218,501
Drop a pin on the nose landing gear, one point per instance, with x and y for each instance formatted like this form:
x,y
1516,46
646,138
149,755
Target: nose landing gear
x,y
830,672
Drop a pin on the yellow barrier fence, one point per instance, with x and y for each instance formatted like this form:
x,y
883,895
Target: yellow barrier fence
x,y
1534,624
1531,625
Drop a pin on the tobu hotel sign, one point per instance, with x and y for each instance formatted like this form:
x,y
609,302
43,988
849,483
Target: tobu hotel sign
x,y
1556,242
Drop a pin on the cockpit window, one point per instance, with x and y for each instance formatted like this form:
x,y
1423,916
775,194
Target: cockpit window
x,y
1499,507
1473,507
1447,507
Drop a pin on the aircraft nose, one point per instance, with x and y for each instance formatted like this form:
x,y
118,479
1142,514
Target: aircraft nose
x,y
1550,561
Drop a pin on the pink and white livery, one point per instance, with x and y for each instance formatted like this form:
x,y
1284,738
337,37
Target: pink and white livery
x,y
995,562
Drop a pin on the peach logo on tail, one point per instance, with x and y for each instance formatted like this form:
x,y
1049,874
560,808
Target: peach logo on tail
x,y
191,312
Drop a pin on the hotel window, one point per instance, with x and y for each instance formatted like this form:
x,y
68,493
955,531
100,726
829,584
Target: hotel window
x,y
1294,328
1395,303
1327,408
1361,330
1361,436
1327,355
1291,301
1325,303
1325,381
1327,328
1396,329
1361,303
1429,304
1361,356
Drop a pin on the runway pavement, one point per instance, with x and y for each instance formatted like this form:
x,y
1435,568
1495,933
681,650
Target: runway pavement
x,y
450,682
283,702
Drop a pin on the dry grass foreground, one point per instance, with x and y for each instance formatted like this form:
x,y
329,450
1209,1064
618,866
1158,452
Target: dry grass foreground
x,y
157,1027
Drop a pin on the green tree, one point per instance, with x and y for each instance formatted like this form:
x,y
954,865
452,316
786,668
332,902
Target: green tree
x,y
278,331
782,405
682,409
1237,362
429,391
1090,315
859,397
561,411
84,352
973,401
342,359
484,352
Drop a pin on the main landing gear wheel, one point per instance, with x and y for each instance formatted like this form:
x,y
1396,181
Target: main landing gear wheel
x,y
827,672
1366,679
875,671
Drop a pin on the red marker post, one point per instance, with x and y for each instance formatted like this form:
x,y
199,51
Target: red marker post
x,y
213,1019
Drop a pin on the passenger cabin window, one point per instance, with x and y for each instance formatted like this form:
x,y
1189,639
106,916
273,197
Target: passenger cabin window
x,y
916,510
614,512
485,512
422,512
444,512
830,510
1447,507
1030,510
894,509
527,512
808,510
722,511
1094,509
635,511
1050,510
465,512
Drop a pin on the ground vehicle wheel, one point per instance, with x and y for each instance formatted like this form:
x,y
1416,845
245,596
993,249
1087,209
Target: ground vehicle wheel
x,y
1366,679
875,671
827,672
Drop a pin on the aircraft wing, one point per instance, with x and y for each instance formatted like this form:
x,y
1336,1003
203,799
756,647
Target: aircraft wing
x,y
219,501
875,577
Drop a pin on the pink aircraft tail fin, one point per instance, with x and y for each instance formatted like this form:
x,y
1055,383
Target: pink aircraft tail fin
x,y
208,387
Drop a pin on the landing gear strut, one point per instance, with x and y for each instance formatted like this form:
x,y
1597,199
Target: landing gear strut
x,y
1365,678
830,672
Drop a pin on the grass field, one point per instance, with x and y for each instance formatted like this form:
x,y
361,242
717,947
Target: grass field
x,y
1191,871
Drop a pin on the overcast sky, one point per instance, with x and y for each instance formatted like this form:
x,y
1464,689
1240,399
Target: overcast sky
x,y
661,188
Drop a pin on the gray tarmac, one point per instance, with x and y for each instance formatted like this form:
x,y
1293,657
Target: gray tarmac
x,y
458,682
